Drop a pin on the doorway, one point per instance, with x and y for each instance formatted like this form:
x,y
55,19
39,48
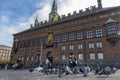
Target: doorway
x,y
50,56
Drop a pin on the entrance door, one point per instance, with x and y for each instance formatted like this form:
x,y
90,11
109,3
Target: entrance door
x,y
50,56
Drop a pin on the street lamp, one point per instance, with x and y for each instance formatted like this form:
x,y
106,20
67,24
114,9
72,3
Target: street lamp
x,y
38,57
16,45
11,56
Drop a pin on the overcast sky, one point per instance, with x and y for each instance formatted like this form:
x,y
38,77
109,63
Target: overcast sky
x,y
17,15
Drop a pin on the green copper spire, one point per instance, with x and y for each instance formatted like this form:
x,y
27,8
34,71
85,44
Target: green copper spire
x,y
54,7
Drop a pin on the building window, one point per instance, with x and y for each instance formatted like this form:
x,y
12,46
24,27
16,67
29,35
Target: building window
x,y
19,58
112,30
71,37
100,56
22,59
91,45
43,40
80,56
63,57
32,58
92,56
56,39
33,42
99,33
99,44
79,35
63,48
71,47
80,46
38,41
27,59
89,34
63,38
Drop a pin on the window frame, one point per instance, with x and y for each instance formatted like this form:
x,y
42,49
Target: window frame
x,y
63,47
79,35
111,30
91,45
80,46
99,32
71,36
92,56
89,34
71,47
63,38
80,56
99,44
99,56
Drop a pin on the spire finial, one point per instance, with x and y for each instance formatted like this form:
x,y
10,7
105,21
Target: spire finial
x,y
54,7
36,19
99,4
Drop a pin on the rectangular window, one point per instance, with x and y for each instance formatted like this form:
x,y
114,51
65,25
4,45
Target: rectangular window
x,y
89,34
92,56
99,44
63,48
112,30
79,35
27,59
91,45
100,56
63,38
63,57
43,40
19,58
22,59
71,47
32,58
80,46
80,56
71,37
56,39
99,33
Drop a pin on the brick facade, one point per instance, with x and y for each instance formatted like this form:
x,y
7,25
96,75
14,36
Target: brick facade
x,y
99,42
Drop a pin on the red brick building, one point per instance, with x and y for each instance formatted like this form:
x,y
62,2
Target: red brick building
x,y
91,36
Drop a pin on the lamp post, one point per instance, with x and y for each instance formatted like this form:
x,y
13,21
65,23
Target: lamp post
x,y
11,56
16,45
38,57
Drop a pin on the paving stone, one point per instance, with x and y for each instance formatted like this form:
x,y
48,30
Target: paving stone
x,y
26,75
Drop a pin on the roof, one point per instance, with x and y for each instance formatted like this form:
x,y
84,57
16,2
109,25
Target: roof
x,y
5,46
67,18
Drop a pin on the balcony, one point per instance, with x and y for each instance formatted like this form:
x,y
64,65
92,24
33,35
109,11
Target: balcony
x,y
113,39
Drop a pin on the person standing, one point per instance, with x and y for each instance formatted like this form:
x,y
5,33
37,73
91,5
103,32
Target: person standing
x,y
86,70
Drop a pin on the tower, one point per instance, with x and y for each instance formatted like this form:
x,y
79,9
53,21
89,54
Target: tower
x,y
54,16
99,4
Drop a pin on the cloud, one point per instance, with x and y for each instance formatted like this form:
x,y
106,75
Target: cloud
x,y
4,19
43,9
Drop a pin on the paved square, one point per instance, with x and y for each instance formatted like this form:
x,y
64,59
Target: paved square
x,y
26,75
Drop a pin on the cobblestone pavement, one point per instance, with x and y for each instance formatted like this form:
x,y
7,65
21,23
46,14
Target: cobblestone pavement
x,y
26,75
